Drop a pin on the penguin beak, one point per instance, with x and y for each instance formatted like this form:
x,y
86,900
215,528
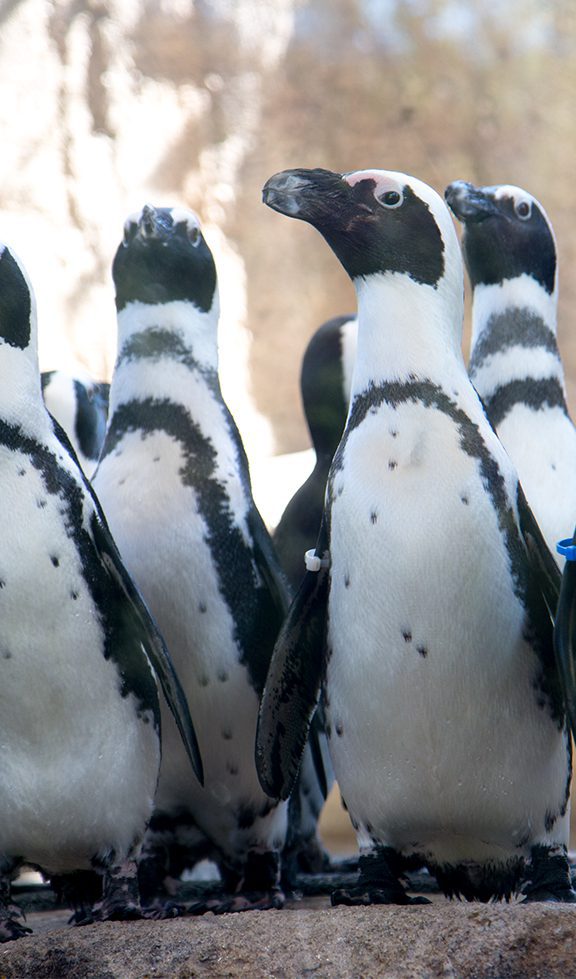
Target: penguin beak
x,y
469,203
303,194
152,224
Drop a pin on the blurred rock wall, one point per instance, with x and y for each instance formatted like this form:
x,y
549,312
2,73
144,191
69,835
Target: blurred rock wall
x,y
107,104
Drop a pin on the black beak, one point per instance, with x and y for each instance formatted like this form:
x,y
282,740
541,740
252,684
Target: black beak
x,y
303,194
469,203
152,224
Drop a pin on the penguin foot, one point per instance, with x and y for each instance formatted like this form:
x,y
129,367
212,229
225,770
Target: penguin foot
x,y
378,881
11,928
360,894
550,878
566,896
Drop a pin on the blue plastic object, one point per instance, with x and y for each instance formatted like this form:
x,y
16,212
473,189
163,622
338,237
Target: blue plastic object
x,y
567,547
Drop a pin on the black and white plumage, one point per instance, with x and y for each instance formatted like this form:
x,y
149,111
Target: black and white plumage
x,y
174,482
430,628
325,379
79,714
515,364
80,405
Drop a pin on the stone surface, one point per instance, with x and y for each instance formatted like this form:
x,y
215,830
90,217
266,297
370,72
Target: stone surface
x,y
444,941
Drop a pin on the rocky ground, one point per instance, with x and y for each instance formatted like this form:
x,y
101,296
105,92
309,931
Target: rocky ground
x,y
309,938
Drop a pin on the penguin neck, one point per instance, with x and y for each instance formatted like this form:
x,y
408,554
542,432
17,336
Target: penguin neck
x,y
520,295
194,331
407,329
21,401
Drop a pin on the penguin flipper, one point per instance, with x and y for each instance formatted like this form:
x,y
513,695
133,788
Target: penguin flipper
x,y
543,564
138,622
267,562
293,685
559,593
565,640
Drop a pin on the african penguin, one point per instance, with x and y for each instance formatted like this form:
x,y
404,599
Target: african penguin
x,y
79,713
173,480
422,614
515,364
80,406
325,379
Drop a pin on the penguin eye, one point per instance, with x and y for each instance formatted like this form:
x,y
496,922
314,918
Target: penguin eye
x,y
392,198
193,234
523,210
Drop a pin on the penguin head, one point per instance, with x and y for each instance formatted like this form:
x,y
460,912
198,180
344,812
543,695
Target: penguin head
x,y
506,234
164,258
376,221
17,304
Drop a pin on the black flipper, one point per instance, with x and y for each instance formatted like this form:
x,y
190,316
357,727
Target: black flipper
x,y
140,625
543,563
267,562
317,732
293,684
565,639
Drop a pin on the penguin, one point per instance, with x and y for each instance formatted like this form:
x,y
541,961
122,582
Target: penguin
x,y
79,657
424,617
515,365
173,480
80,405
325,379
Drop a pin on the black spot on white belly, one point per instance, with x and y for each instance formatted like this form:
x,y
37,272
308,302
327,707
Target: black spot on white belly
x,y
5,652
392,464
41,504
55,560
2,583
465,500
203,680
222,675
202,607
374,516
406,635
422,651
393,433
231,768
74,595
347,581
339,728
227,734
156,459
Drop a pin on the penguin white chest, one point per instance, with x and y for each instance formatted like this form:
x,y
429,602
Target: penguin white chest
x,y
78,765
430,683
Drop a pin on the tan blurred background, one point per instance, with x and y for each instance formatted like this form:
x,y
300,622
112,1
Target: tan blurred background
x,y
107,104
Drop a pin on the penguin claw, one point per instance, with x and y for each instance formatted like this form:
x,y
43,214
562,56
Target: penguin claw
x,y
108,911
358,896
231,904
